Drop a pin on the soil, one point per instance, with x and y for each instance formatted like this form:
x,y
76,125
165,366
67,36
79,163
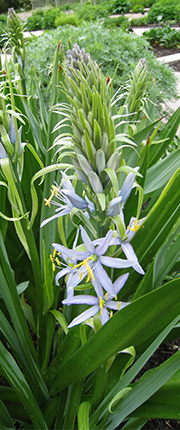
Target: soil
x,y
161,51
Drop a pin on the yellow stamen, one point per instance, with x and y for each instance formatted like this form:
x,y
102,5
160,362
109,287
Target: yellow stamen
x,y
83,193
54,253
111,314
57,261
53,267
54,191
80,275
106,296
116,297
51,258
85,263
101,304
136,225
118,306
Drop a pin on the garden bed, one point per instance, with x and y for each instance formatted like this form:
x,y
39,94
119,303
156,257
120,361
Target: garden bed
x,y
161,51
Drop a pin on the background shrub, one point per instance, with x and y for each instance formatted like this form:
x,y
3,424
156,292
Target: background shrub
x,y
120,21
112,48
139,22
120,6
35,22
163,12
91,12
163,36
67,19
138,8
49,17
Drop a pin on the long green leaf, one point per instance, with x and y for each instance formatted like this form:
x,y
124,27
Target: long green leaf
x,y
107,342
5,419
160,173
130,375
144,390
17,380
168,131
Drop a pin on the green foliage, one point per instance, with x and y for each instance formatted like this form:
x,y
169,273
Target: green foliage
x,y
49,17
66,19
120,21
120,6
138,8
90,12
55,376
35,22
139,22
163,12
130,50
163,36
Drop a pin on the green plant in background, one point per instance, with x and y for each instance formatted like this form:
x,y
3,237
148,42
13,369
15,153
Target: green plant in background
x,y
89,35
89,217
138,8
120,6
163,36
120,21
64,19
163,12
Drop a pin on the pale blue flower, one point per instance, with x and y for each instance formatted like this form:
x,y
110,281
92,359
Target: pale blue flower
x,y
3,153
116,205
68,200
101,303
13,134
91,260
126,247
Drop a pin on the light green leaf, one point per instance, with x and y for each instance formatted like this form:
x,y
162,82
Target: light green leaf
x,y
22,287
61,320
160,173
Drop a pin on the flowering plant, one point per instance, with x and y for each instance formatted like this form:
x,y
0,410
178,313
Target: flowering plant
x,y
83,298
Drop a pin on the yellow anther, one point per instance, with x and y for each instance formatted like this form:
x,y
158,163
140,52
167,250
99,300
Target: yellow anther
x,y
54,191
136,225
80,275
85,263
83,193
54,253
101,304
116,297
51,258
90,274
57,261
111,314
53,267
118,306
106,296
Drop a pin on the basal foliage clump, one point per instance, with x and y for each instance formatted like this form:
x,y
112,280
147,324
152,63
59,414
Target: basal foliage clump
x,y
89,238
